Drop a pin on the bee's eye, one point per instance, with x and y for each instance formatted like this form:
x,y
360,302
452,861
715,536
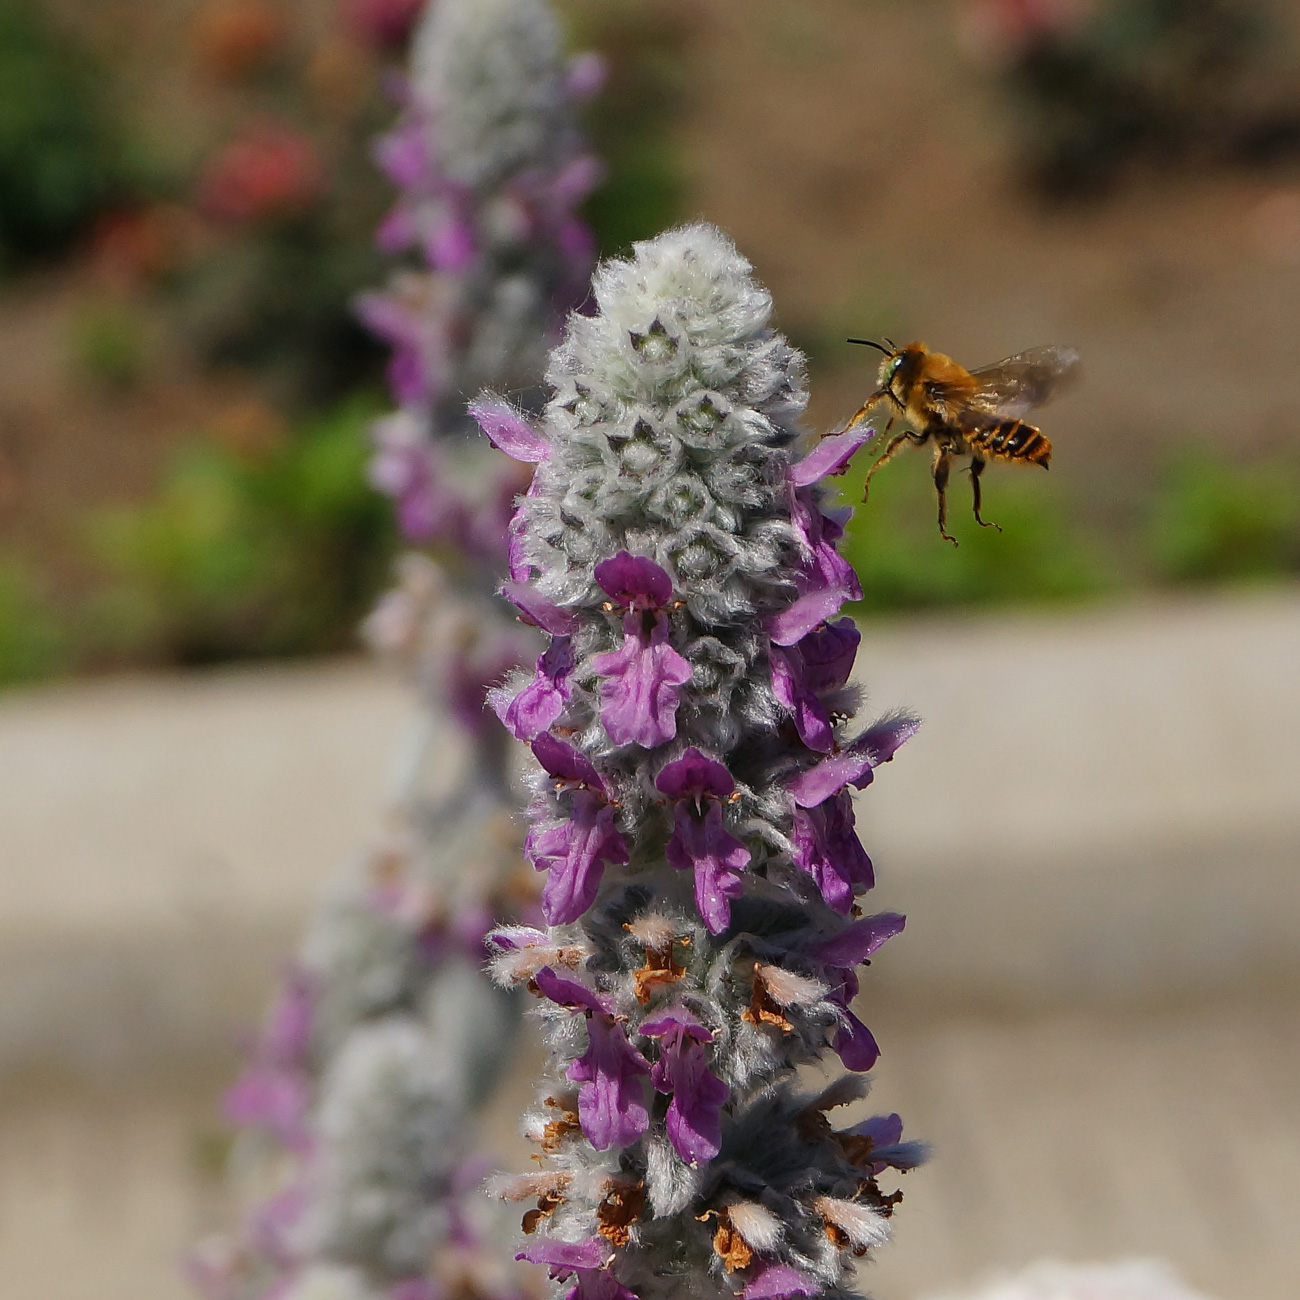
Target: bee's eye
x,y
893,366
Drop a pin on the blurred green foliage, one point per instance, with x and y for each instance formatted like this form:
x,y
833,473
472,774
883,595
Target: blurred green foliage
x,y
1215,520
59,160
894,543
108,342
33,641
240,554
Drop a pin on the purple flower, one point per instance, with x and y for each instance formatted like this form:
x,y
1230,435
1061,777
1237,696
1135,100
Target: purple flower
x,y
639,691
451,246
855,943
820,662
404,467
810,718
830,456
888,1150
611,1101
536,708
854,765
854,1042
694,1119
564,1257
508,431
574,856
774,1281
586,75
405,156
418,337
826,579
575,853
827,655
700,843
270,1098
288,1028
598,1284
634,582
566,763
537,611
826,846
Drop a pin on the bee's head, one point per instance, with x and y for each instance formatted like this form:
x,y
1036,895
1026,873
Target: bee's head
x,y
894,359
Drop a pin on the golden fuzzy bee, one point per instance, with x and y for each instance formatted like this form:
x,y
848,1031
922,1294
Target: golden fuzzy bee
x,y
975,413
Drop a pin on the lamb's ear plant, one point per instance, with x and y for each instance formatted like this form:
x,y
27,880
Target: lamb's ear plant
x,y
692,725
357,1109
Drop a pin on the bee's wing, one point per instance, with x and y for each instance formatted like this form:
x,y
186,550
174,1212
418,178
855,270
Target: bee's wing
x,y
1012,388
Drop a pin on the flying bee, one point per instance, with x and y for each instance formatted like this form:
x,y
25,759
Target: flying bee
x,y
975,413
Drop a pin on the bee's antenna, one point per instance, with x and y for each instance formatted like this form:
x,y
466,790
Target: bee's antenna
x,y
893,347
871,343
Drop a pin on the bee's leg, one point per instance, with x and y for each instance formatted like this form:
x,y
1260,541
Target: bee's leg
x,y
976,469
890,448
942,464
865,409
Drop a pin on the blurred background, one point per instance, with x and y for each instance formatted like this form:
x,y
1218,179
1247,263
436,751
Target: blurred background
x,y
1094,1012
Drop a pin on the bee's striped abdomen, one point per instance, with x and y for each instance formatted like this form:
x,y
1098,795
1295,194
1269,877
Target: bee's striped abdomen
x,y
1010,440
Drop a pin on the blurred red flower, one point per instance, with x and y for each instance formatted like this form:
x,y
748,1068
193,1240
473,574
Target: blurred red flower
x,y
270,170
1007,28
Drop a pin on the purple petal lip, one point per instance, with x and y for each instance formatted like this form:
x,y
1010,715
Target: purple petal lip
x,y
640,687
594,1252
538,611
694,775
791,690
634,581
508,431
566,763
854,764
830,456
795,622
825,844
706,848
828,654
883,1130
778,1280
856,943
694,1119
539,704
856,1045
568,993
574,855
611,1101
885,739
829,777
673,1019
516,937
599,1285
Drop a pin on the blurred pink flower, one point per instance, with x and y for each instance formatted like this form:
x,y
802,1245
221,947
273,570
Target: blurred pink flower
x,y
384,24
